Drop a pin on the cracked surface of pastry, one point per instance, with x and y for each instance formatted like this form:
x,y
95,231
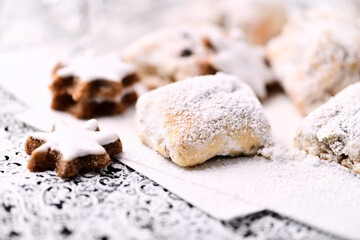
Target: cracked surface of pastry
x,y
332,131
316,56
202,117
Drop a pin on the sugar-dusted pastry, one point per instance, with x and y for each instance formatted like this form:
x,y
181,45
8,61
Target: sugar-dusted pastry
x,y
237,57
259,19
68,149
176,53
316,56
332,131
172,54
91,86
202,117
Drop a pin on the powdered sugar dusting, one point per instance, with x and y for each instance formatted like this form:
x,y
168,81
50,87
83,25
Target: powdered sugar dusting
x,y
216,105
332,131
173,54
239,58
320,193
317,55
200,111
89,68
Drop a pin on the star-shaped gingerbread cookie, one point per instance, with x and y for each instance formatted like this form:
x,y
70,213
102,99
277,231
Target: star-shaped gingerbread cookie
x,y
67,149
90,86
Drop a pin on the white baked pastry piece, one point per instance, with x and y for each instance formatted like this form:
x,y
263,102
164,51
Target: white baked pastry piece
x,y
259,19
332,131
196,119
176,53
316,56
237,57
172,54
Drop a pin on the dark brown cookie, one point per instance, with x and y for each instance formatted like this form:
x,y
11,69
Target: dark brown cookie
x,y
87,109
90,87
68,149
